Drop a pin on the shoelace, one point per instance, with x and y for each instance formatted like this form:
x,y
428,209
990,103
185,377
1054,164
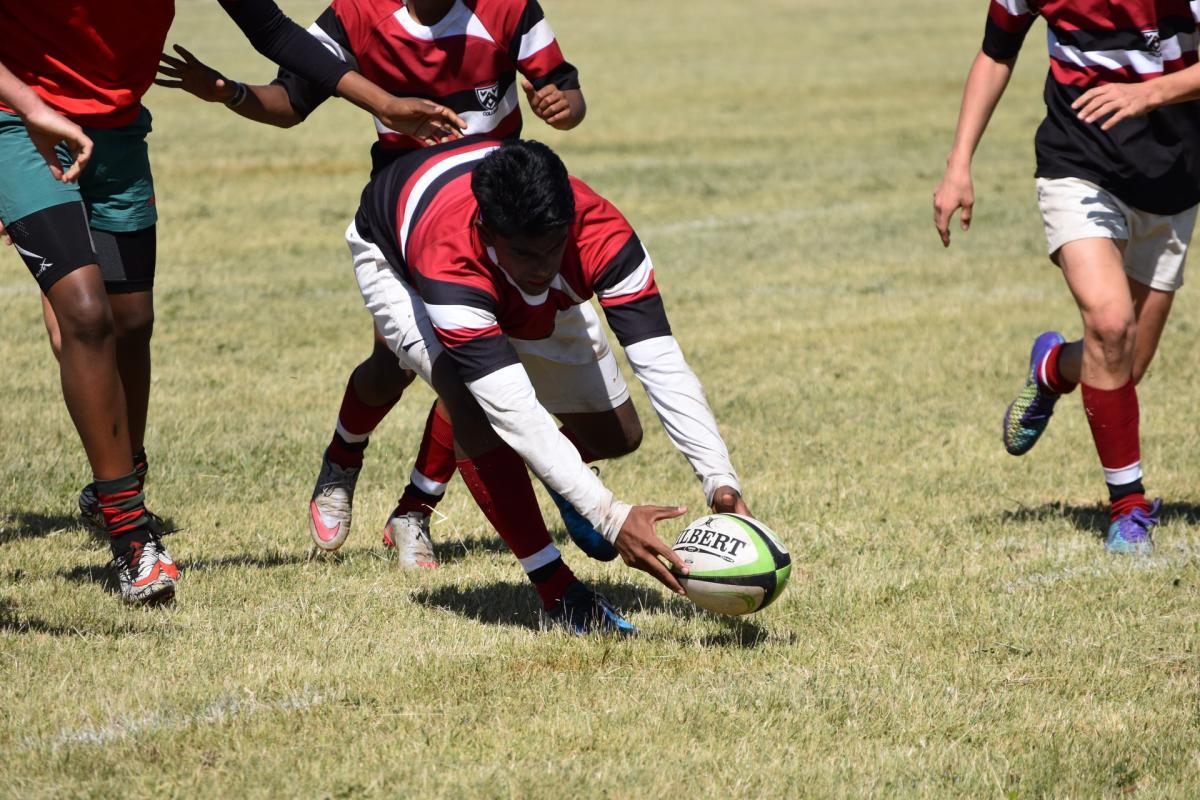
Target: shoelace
x,y
1144,519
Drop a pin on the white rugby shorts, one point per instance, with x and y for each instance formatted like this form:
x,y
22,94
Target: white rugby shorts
x,y
572,371
1156,245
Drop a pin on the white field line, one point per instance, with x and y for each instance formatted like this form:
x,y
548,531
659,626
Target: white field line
x,y
225,709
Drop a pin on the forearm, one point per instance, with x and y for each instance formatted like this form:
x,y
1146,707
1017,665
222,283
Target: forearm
x,y
985,86
269,105
17,95
1178,87
508,400
678,399
277,37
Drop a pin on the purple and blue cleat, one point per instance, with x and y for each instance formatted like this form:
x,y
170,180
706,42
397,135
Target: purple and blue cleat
x,y
582,533
1130,535
1027,416
582,611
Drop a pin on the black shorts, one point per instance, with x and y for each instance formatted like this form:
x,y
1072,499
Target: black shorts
x,y
56,241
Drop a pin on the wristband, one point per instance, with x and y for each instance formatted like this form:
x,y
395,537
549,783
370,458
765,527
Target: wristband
x,y
239,95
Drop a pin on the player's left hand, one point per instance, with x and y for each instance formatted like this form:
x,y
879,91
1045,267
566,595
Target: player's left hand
x,y
193,76
428,121
727,500
550,104
1117,101
46,128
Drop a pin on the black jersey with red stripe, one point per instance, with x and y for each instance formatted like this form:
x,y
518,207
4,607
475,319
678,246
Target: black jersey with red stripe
x,y
1151,162
421,213
467,61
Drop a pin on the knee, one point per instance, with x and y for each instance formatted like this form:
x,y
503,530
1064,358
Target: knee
x,y
1114,333
383,374
134,325
631,436
88,321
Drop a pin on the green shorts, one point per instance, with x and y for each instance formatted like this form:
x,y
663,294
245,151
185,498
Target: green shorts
x,y
116,186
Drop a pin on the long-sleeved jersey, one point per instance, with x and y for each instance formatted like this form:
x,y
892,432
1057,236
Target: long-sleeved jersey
x,y
421,213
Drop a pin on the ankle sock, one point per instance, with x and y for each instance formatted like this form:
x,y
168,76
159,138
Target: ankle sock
x,y
433,468
1049,375
122,505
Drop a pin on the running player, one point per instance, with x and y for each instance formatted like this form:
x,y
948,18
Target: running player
x,y
1118,203
91,246
467,56
477,260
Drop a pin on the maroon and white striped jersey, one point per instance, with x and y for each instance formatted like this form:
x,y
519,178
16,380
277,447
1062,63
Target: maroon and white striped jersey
x,y
421,212
467,61
1152,162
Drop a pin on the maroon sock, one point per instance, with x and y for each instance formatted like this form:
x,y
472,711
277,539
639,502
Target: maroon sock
x,y
500,485
1049,374
356,421
1113,417
121,504
433,468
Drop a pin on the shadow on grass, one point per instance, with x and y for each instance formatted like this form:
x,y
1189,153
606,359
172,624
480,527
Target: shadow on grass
x,y
105,576
516,604
1094,519
11,622
31,525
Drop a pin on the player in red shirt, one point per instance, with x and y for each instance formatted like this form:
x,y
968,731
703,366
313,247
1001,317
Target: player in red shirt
x,y
1118,201
477,260
91,246
469,55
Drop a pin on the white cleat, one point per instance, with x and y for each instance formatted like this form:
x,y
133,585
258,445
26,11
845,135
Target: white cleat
x,y
408,536
329,511
147,574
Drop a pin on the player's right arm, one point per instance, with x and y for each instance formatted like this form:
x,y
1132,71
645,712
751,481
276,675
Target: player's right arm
x,y
484,362
1008,22
46,126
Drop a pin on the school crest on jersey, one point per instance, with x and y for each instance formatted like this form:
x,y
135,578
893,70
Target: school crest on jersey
x,y
488,97
1153,42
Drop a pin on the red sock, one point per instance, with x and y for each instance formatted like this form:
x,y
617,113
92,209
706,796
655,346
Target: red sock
x,y
587,455
1050,376
356,421
1113,417
433,468
500,485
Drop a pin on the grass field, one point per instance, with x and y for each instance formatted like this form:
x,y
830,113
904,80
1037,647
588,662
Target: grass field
x,y
953,626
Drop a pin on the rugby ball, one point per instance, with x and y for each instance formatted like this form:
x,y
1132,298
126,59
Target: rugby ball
x,y
737,565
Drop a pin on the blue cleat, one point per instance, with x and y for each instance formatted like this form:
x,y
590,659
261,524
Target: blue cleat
x,y
582,533
1130,534
1028,415
582,611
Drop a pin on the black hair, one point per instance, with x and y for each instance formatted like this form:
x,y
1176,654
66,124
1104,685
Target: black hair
x,y
523,190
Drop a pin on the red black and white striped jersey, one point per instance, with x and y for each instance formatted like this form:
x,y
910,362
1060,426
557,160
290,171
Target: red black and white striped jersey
x,y
421,213
1152,162
467,61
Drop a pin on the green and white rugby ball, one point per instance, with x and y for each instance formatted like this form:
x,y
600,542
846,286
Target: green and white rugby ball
x,y
737,565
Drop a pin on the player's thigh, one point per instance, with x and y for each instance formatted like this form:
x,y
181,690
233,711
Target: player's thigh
x,y
398,312
1095,273
574,371
607,434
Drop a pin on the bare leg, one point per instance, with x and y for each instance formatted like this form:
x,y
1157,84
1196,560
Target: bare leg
x,y
91,382
606,434
133,314
379,379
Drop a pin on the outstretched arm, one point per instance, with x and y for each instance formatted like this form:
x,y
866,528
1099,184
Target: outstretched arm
x,y
45,126
985,86
268,104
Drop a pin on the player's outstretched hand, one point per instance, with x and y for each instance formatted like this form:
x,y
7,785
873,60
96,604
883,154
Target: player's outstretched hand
x,y
426,120
954,192
1117,101
46,127
194,76
727,500
640,547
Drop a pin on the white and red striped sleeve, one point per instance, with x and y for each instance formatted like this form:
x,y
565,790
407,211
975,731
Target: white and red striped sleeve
x,y
613,258
1007,23
535,50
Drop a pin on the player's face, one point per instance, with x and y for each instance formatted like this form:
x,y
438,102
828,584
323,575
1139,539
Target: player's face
x,y
531,261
